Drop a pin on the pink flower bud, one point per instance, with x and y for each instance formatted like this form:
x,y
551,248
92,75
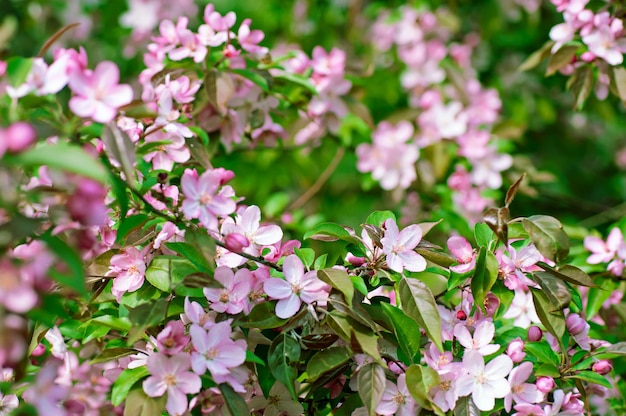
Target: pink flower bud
x,y
3,68
515,350
602,367
19,136
575,324
461,315
545,384
39,350
354,260
236,242
534,333
587,56
226,175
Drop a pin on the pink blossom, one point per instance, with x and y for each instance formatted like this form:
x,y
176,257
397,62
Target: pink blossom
x,y
521,392
484,383
464,254
16,293
233,296
394,168
171,375
515,350
445,394
250,39
129,270
215,350
8,403
396,399
604,252
399,247
201,198
98,94
173,149
16,138
297,287
86,204
172,339
45,393
195,314
528,409
481,341
522,309
603,42
191,46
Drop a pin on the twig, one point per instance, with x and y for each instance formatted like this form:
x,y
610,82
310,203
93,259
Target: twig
x,y
610,214
251,257
304,198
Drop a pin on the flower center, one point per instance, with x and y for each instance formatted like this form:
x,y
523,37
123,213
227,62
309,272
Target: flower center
x,y
296,288
205,199
445,385
480,378
169,380
399,398
133,269
518,389
224,296
274,401
212,353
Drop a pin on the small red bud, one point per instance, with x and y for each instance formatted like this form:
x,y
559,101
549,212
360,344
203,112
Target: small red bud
x,y
461,315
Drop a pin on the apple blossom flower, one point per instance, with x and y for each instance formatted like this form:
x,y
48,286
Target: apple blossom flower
x,y
396,399
196,315
545,384
129,270
522,309
399,247
57,344
603,252
233,296
16,138
215,350
250,39
484,383
8,403
528,409
521,392
444,394
604,42
172,339
515,350
16,294
278,402
45,393
481,341
202,200
297,287
98,94
171,375
173,149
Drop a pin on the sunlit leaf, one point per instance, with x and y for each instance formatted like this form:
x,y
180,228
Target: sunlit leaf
x,y
338,279
371,381
419,304
125,381
283,355
327,360
548,236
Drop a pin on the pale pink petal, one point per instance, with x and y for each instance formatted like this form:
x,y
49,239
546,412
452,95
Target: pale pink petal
x,y
484,397
154,387
82,107
412,261
293,269
499,367
460,248
268,235
277,288
176,401
410,237
286,308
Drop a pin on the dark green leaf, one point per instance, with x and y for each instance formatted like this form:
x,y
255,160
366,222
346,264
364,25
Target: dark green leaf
x,y
543,352
119,147
465,406
148,314
192,254
419,304
364,340
234,401
561,58
307,255
129,224
327,231
407,333
419,380
166,272
18,69
259,77
598,295
75,279
569,273
113,354
593,378
485,275
548,236
139,404
555,289
371,381
125,381
340,280
200,281
483,235
262,316
498,220
282,358
327,360
552,320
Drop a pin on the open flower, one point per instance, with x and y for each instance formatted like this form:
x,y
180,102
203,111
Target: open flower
x,y
297,287
215,351
483,334
202,200
399,247
396,399
484,383
171,375
232,298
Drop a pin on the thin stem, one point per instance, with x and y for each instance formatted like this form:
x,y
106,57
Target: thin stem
x,y
258,259
305,197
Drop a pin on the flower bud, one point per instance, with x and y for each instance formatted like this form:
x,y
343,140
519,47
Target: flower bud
x,y
575,324
354,260
461,315
545,384
587,56
19,136
535,333
602,367
515,350
39,350
225,175
236,242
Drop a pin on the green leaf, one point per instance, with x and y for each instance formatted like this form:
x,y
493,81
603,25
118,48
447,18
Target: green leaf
x,y
329,231
593,378
119,147
498,220
121,324
320,262
465,406
148,314
552,320
119,189
139,404
111,354
483,235
618,81
340,280
125,381
549,370
407,333
327,360
366,341
283,355
259,77
200,280
419,304
562,57
76,278
512,191
555,289
298,80
234,401
371,381
419,380
569,273
166,272
307,255
262,316
485,275
548,236
129,224
616,350
581,84
253,358
62,156
377,218
536,57
598,295
18,69
543,352
192,254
